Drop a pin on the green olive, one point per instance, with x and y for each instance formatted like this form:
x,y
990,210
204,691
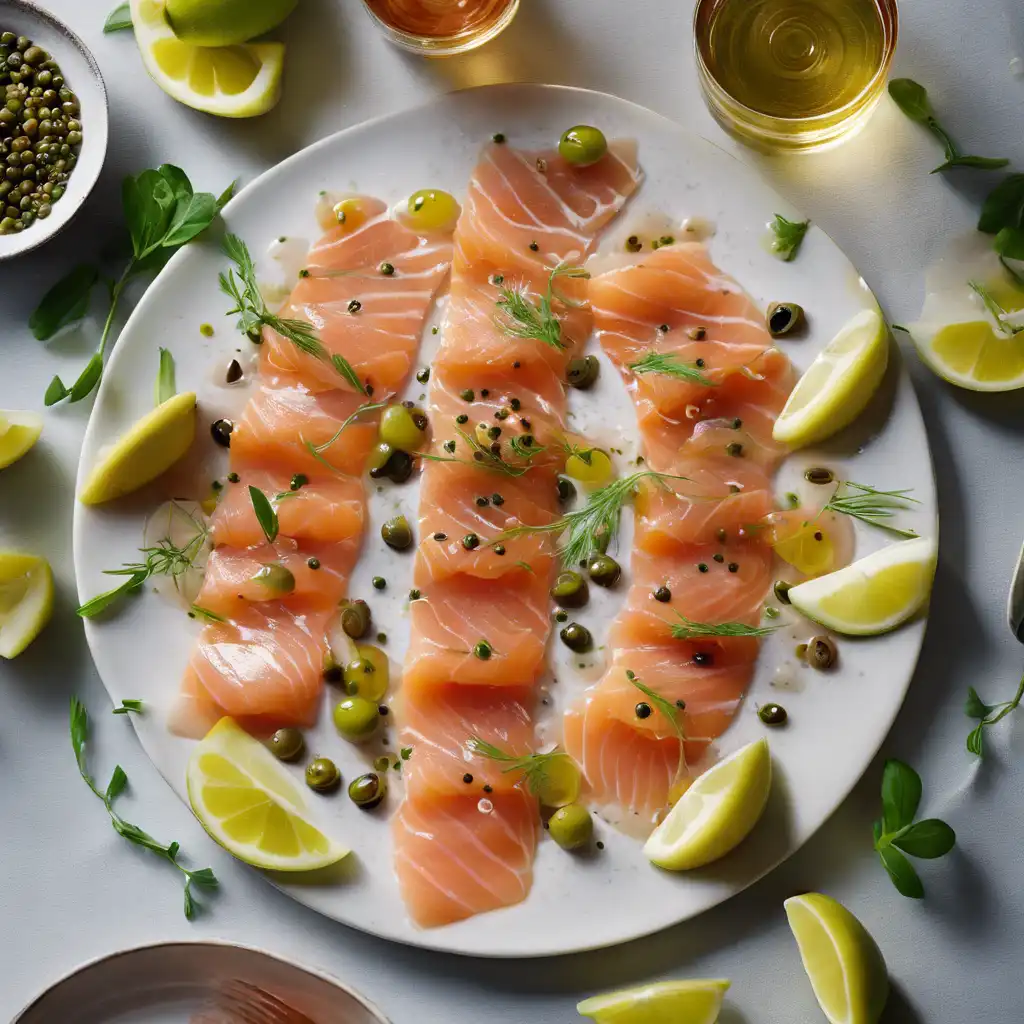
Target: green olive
x,y
367,791
604,570
275,578
772,714
570,590
355,619
397,533
781,590
356,718
399,427
378,460
322,775
287,744
784,317
582,145
571,826
576,637
368,674
582,373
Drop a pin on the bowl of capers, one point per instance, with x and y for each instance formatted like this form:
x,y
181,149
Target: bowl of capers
x,y
53,125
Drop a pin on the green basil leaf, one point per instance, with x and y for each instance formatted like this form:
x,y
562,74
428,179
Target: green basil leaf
x,y
982,163
974,706
1009,243
87,380
166,387
65,303
190,218
901,795
265,514
177,179
56,392
902,873
149,202
928,839
116,786
912,99
119,18
1004,207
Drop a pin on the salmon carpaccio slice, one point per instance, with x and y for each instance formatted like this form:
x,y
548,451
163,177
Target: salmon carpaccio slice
x,y
461,849
692,535
260,656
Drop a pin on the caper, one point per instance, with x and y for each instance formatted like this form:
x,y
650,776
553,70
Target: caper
x,y
287,744
582,373
582,145
566,490
772,714
604,570
576,637
784,317
275,578
368,674
322,775
570,590
221,432
399,427
781,590
571,826
355,619
356,718
821,652
367,791
819,475
397,533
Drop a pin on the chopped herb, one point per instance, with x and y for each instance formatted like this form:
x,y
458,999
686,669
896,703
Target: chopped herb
x,y
128,705
789,236
533,767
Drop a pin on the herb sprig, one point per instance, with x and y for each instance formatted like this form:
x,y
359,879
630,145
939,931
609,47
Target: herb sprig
x,y
789,236
162,213
317,450
670,365
896,833
687,629
483,457
987,714
203,878
1002,215
995,309
130,704
520,318
912,99
671,712
871,506
533,767
265,514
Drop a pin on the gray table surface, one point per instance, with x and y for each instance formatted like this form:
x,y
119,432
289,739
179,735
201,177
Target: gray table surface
x,y
71,890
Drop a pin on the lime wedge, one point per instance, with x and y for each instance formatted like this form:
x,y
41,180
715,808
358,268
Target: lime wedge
x,y
230,81
26,600
874,594
150,448
837,386
844,964
247,800
716,813
664,1002
19,431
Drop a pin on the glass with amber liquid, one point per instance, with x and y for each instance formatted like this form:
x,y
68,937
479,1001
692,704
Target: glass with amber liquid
x,y
440,28
794,74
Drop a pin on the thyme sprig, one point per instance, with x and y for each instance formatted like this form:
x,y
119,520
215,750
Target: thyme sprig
x,y
687,629
520,318
533,767
871,506
668,364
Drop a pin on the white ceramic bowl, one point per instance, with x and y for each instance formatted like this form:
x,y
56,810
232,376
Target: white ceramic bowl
x,y
82,74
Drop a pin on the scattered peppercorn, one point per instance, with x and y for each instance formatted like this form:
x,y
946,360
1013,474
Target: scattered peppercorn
x,y
772,714
467,778
482,650
703,658
313,563
470,541
702,567
467,394
733,567
499,138
233,478
718,557
379,583
499,549
387,269
643,710
734,448
534,247
663,594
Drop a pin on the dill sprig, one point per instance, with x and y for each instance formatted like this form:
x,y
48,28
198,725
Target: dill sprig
x,y
671,712
995,309
316,450
482,457
871,506
669,365
520,318
165,558
591,528
533,767
687,629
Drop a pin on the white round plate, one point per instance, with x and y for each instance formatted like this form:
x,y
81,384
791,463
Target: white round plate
x,y
175,982
838,720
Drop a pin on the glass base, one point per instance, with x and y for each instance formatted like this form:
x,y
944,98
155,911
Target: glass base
x,y
446,46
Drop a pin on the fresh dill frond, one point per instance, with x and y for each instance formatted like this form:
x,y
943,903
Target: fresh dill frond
x,y
520,318
671,712
995,309
871,506
482,457
532,767
669,365
687,629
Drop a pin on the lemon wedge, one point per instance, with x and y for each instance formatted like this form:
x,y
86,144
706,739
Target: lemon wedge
x,y
230,81
19,431
837,386
252,806
664,1002
716,813
972,355
844,964
150,448
874,594
26,600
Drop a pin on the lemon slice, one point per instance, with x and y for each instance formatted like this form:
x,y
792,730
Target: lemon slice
x,y
664,1002
230,81
252,806
19,431
875,593
150,448
837,386
26,600
716,813
972,355
845,965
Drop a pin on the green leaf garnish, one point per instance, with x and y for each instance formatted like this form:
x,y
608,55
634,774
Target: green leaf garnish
x,y
532,767
1004,206
670,365
670,711
520,318
129,705
65,303
483,457
265,514
871,506
987,714
789,236
166,385
344,367
119,18
205,613
687,629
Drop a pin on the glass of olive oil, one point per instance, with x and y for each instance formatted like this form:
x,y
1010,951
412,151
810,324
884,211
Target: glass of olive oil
x,y
440,28
793,74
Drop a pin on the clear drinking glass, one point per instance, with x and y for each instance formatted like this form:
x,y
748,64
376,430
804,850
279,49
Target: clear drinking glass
x,y
440,28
